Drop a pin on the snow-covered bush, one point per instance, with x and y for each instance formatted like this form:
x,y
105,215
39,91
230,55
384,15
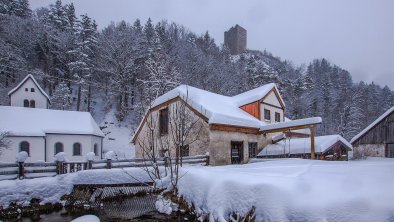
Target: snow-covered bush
x,y
22,156
165,206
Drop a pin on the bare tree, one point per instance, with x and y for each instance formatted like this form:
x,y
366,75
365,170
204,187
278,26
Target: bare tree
x,y
4,141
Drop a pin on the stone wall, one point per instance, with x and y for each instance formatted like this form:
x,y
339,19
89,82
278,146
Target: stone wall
x,y
373,150
220,145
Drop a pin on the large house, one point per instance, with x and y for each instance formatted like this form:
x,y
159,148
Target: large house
x,y
377,139
231,129
43,132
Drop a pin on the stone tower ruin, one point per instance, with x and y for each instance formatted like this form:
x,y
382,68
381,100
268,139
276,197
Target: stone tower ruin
x,y
235,39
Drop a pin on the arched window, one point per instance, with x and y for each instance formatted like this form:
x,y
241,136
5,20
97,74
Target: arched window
x,y
76,149
96,150
32,104
58,148
25,103
24,146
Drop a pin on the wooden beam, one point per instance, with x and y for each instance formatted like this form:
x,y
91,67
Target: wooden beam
x,y
313,156
231,128
284,129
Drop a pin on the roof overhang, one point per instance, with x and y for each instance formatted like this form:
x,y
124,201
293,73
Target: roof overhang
x,y
291,125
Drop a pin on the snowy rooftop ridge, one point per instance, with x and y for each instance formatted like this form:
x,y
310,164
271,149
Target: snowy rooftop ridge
x,y
380,118
303,145
20,121
255,94
30,76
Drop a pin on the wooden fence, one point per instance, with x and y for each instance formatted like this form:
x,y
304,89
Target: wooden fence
x,y
27,170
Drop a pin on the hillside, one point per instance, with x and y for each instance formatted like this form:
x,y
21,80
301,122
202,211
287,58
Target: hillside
x,y
115,72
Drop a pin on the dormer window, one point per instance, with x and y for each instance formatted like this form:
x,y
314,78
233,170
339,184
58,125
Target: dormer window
x,y
267,114
32,90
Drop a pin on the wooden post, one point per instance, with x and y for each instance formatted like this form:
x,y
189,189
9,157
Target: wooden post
x,y
207,163
90,164
109,164
60,167
313,156
21,170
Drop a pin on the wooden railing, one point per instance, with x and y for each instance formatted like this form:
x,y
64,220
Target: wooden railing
x,y
28,170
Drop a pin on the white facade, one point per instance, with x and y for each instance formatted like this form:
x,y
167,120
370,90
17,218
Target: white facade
x,y
29,94
43,148
40,130
272,104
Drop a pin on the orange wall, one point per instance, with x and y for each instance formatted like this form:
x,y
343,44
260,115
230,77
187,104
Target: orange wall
x,y
253,109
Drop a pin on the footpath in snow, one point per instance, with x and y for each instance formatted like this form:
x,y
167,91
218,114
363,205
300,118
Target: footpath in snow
x,y
294,190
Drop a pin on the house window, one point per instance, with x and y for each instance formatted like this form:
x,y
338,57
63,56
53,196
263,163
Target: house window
x,y
267,114
58,148
26,89
24,146
95,149
32,90
77,149
163,121
252,150
26,103
185,150
32,104
237,150
277,117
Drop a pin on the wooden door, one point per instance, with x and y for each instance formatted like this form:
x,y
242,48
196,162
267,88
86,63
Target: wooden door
x,y
390,150
237,152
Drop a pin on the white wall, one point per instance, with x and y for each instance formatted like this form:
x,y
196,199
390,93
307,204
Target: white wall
x,y
21,94
274,103
87,145
37,152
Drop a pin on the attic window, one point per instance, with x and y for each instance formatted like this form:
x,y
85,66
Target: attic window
x,y
267,114
163,121
277,117
31,89
26,89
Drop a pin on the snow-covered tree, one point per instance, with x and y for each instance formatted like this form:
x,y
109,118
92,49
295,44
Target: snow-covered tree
x,y
61,98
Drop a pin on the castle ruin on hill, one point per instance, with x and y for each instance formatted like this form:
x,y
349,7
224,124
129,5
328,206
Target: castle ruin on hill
x,y
235,39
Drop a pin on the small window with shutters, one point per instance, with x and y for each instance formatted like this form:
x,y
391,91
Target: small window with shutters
x,y
163,121
267,114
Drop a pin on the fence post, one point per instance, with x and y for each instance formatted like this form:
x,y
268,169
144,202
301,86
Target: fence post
x,y
207,160
109,164
59,167
90,164
21,170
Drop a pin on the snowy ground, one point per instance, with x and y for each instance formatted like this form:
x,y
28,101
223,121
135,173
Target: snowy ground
x,y
117,136
294,190
51,189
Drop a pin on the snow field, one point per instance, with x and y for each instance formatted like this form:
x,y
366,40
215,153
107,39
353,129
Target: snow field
x,y
293,190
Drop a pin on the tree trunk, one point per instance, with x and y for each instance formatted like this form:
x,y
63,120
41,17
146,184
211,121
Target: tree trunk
x,y
89,97
79,98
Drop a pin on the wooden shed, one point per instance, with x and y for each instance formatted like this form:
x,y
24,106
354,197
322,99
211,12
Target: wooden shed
x,y
377,139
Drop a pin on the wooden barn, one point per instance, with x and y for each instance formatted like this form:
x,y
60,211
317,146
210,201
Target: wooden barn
x,y
377,139
329,147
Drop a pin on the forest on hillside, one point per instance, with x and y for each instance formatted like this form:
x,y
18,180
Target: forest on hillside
x,y
125,64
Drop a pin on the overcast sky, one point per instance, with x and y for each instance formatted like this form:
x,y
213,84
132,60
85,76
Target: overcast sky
x,y
357,35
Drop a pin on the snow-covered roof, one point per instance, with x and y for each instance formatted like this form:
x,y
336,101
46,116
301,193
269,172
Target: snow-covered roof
x,y
256,94
374,123
293,123
303,145
20,121
30,76
302,131
217,108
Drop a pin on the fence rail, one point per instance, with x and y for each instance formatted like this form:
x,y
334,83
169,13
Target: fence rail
x,y
23,170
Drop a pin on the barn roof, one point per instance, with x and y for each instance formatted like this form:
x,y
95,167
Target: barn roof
x,y
21,121
35,82
373,124
303,145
